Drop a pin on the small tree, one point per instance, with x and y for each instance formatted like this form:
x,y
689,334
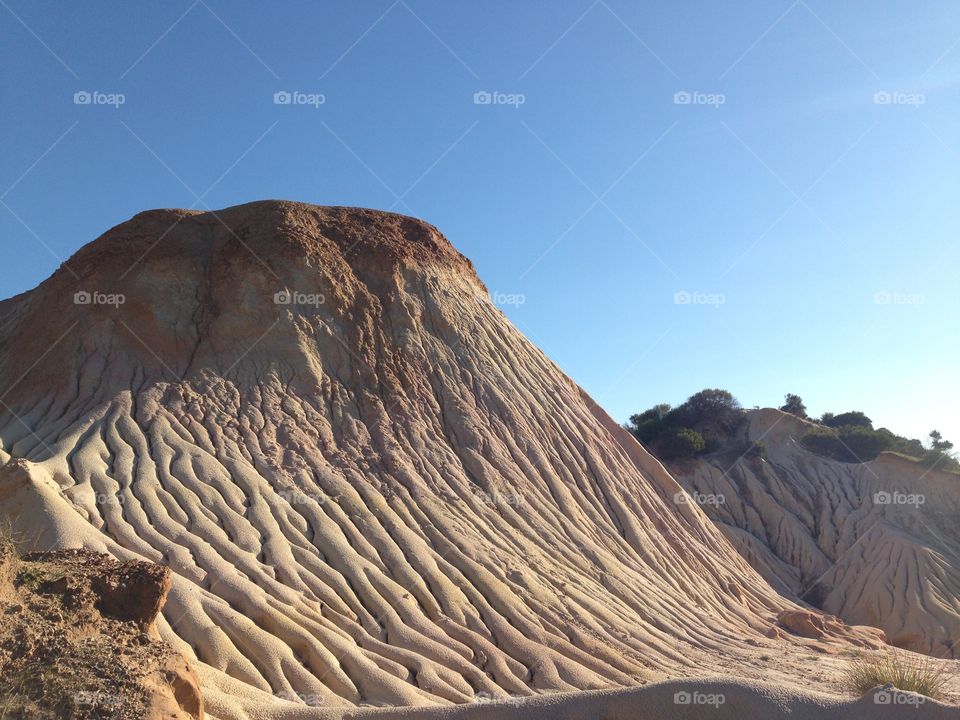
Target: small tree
x,y
938,443
711,405
794,405
713,400
647,425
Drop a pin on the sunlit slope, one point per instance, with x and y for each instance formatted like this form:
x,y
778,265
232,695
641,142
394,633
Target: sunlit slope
x,y
371,488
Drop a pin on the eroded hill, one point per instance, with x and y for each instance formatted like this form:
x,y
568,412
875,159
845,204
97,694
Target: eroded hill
x,y
370,488
873,543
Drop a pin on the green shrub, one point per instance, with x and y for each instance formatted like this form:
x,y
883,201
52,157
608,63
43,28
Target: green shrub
x,y
711,414
848,443
647,425
712,405
858,443
913,447
863,443
681,443
854,417
940,460
821,441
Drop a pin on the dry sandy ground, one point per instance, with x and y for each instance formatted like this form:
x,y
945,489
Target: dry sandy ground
x,y
705,699
78,641
372,490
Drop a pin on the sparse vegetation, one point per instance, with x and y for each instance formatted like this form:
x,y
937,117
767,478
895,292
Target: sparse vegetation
x,y
709,420
31,576
919,674
64,652
851,437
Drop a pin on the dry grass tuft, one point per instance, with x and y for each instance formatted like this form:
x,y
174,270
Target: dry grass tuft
x,y
919,674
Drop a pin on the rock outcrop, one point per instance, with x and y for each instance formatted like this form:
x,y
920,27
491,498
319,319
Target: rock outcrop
x,y
78,640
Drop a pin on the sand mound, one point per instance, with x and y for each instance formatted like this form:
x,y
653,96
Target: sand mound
x,y
872,543
371,489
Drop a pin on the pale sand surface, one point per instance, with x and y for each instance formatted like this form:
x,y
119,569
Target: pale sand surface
x,y
720,699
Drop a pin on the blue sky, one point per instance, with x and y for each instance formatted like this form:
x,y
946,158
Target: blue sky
x,y
760,196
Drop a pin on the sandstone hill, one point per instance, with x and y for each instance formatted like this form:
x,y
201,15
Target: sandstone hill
x,y
370,488
874,543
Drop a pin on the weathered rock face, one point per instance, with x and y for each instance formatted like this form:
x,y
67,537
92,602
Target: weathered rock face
x,y
370,487
874,543
77,640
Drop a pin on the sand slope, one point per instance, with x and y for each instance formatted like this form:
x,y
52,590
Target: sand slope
x,y
372,490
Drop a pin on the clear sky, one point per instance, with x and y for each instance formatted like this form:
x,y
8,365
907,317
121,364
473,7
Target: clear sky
x,y
759,196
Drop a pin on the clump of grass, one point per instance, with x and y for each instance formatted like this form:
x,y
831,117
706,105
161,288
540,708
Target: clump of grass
x,y
31,576
919,674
